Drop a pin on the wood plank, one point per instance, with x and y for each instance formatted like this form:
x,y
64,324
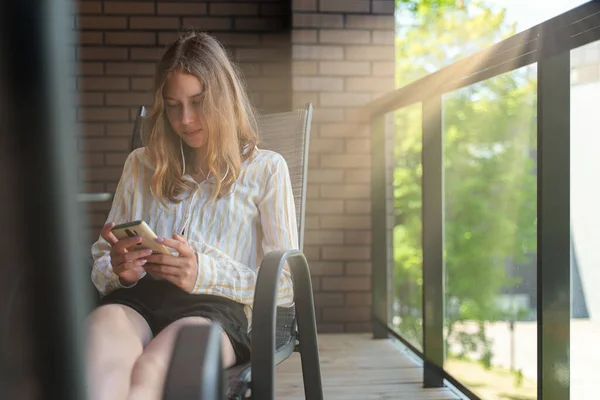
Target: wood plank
x,y
354,366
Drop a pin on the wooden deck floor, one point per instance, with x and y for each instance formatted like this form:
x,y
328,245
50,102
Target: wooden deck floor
x,y
355,366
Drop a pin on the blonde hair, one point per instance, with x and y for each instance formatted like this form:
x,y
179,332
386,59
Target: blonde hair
x,y
228,113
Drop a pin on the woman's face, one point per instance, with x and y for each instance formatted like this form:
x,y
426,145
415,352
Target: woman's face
x,y
183,96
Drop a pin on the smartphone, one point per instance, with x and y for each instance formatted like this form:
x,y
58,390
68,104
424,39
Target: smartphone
x,y
140,228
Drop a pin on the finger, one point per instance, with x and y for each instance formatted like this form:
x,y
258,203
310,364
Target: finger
x,y
123,245
161,269
137,254
133,264
107,234
182,247
166,260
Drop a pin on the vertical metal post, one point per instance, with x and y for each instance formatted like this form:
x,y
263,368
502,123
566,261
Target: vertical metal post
x,y
379,245
37,64
554,253
433,242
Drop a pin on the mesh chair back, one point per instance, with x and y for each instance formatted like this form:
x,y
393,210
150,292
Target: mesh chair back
x,y
288,134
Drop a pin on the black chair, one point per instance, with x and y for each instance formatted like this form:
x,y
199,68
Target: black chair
x,y
196,370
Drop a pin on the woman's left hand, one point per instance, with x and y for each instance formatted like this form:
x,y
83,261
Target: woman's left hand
x,y
180,270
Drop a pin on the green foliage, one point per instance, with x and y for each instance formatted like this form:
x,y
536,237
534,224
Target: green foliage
x,y
427,6
490,184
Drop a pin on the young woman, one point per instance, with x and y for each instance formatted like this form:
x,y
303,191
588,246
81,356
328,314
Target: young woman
x,y
212,196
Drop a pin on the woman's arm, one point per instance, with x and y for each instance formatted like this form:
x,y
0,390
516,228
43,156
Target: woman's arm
x,y
103,276
220,274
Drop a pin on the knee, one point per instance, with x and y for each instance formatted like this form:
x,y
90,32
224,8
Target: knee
x,y
149,367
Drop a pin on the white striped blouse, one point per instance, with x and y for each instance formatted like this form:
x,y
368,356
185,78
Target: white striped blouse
x,y
230,235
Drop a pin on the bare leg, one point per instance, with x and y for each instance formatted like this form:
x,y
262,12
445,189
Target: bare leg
x,y
116,336
149,371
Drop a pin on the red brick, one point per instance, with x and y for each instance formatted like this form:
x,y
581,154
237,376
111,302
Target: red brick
x,y
327,146
346,161
318,175
267,84
154,23
315,20
326,268
90,68
90,99
345,222
116,159
304,36
101,22
130,38
322,237
147,53
130,69
359,299
209,23
344,68
344,130
274,99
258,54
328,115
237,39
233,9
276,69
122,129
358,206
91,159
88,7
358,146
102,114
85,37
128,99
312,252
102,53
383,68
358,176
90,129
188,9
316,84
102,83
344,36
370,21
103,144
312,222
328,299
262,24
274,9
358,268
314,52
383,7
304,5
142,83
345,284
276,39
346,252
353,6
129,7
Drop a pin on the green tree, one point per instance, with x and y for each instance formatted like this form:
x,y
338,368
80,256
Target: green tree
x,y
489,142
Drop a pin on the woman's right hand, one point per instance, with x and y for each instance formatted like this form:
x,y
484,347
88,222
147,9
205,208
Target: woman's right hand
x,y
126,262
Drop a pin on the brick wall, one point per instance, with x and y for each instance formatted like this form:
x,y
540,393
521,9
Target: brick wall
x,y
119,44
337,54
343,57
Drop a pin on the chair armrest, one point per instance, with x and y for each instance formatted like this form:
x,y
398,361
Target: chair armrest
x,y
196,367
264,312
94,197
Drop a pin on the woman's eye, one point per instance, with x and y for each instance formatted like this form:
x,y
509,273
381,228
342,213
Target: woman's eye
x,y
171,105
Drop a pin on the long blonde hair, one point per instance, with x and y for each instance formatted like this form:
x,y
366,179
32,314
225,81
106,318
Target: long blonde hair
x,y
228,113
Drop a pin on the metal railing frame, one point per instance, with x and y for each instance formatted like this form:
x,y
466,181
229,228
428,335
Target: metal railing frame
x,y
548,44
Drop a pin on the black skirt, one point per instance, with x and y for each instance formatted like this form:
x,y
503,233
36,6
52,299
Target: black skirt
x,y
161,303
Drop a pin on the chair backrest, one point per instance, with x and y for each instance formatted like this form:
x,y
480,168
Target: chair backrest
x,y
287,133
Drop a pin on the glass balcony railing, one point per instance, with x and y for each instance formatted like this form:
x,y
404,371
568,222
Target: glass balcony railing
x,y
486,225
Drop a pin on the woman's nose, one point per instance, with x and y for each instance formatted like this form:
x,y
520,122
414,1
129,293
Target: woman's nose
x,y
187,116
